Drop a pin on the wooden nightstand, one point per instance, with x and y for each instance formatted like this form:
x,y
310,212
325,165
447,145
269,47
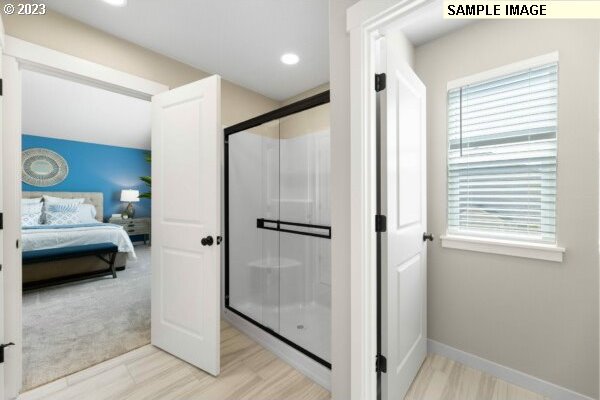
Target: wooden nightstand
x,y
134,226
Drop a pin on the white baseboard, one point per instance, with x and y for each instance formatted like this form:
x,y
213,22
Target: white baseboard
x,y
507,374
304,364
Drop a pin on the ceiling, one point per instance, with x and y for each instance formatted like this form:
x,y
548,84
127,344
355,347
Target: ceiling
x,y
427,23
241,40
58,108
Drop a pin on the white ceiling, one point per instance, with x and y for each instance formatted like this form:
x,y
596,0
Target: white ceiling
x,y
58,108
427,23
241,40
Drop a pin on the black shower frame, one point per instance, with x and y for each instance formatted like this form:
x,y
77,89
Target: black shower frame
x,y
299,106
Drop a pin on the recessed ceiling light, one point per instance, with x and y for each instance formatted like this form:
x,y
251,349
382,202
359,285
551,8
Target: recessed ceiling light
x,y
290,58
116,3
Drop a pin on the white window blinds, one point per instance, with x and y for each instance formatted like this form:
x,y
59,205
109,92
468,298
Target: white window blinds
x,y
502,156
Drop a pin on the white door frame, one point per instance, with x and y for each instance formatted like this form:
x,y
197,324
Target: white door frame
x,y
17,55
365,22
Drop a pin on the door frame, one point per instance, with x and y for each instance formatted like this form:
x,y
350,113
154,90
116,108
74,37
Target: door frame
x,y
18,55
365,22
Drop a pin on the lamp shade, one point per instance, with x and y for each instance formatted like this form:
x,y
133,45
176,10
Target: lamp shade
x,y
129,195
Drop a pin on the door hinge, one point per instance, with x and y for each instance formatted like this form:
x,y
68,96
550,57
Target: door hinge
x,y
380,363
1,220
379,82
2,346
380,223
1,91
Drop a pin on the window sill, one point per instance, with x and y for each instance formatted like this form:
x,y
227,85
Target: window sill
x,y
538,251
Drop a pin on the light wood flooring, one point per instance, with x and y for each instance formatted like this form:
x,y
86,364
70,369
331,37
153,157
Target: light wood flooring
x,y
249,372
442,379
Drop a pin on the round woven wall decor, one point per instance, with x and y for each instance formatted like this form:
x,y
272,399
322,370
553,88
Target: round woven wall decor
x,y
43,167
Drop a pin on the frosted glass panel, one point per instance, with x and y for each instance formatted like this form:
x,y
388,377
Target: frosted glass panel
x,y
305,301
254,253
306,293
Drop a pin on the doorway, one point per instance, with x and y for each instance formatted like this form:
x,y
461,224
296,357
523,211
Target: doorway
x,y
84,150
18,58
388,260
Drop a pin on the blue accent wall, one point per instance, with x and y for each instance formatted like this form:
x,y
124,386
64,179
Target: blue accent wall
x,y
97,168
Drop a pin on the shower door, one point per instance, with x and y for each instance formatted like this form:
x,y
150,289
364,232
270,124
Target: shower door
x,y
277,272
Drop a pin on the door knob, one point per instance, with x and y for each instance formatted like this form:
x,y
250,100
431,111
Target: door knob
x,y
207,241
427,236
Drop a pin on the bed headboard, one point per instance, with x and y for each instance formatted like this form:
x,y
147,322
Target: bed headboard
x,y
95,198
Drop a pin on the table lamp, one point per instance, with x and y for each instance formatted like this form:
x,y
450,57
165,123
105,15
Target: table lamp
x,y
130,196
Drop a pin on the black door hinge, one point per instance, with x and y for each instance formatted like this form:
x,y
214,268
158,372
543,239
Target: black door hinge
x,y
379,82
1,220
380,363
2,346
1,91
380,223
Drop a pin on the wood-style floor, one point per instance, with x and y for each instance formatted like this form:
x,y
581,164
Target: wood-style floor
x,y
442,379
249,372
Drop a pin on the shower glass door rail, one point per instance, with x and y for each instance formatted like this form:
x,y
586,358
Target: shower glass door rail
x,y
278,226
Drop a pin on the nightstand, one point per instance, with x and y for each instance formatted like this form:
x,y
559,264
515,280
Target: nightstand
x,y
134,226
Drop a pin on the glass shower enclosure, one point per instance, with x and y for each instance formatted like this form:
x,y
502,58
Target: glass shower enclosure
x,y
278,226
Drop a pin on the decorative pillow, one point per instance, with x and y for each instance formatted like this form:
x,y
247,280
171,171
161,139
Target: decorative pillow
x,y
31,201
31,219
87,213
31,208
62,214
60,200
31,214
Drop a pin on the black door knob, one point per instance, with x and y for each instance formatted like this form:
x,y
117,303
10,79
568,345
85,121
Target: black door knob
x,y
207,241
427,236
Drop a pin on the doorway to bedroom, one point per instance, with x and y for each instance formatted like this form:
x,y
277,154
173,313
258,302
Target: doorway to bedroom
x,y
85,226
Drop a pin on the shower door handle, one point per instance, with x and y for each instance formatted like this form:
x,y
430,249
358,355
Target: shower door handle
x,y
207,241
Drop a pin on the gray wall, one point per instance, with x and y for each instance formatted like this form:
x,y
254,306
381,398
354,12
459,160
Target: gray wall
x,y
534,316
339,67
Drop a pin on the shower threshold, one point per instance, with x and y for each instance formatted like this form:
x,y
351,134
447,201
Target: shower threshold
x,y
317,331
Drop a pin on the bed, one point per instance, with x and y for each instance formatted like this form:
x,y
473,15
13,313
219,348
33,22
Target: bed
x,y
57,237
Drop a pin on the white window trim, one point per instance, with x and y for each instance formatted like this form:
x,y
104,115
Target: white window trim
x,y
540,251
504,70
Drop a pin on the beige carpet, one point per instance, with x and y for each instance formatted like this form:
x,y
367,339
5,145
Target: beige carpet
x,y
72,327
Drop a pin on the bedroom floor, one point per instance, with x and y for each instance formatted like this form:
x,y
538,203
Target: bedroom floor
x,y
71,327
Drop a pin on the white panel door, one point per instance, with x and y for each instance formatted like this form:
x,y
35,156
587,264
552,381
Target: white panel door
x,y
404,202
186,160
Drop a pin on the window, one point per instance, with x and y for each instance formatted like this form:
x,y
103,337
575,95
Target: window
x,y
502,156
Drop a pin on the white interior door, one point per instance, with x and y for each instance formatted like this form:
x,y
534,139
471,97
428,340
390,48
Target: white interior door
x,y
404,202
186,154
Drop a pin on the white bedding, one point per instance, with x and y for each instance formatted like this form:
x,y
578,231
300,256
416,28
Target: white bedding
x,y
51,238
